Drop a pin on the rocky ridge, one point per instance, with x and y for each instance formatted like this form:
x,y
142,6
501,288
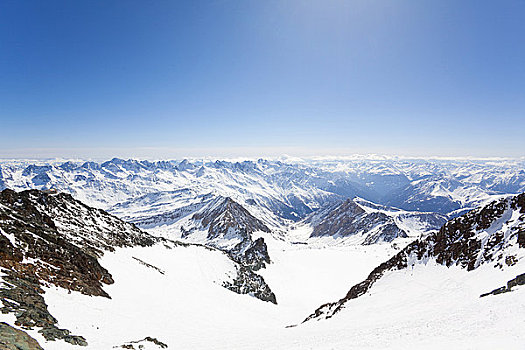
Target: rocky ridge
x,y
52,239
15,339
493,234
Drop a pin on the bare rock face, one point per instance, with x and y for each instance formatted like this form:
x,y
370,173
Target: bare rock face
x,y
21,294
227,220
481,236
518,281
248,282
252,254
62,238
15,339
227,215
49,238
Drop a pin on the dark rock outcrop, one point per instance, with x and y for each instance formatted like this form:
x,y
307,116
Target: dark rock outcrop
x,y
252,254
226,220
226,215
518,281
141,343
62,237
21,294
248,282
350,218
49,238
15,339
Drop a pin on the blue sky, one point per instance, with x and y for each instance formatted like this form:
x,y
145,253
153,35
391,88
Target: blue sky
x,y
174,78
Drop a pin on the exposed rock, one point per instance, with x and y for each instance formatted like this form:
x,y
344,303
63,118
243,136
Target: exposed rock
x,y
521,238
398,262
355,217
15,339
142,262
252,254
518,281
52,239
248,282
511,260
21,295
226,215
226,221
140,344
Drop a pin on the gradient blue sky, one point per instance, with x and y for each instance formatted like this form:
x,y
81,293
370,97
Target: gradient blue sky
x,y
174,78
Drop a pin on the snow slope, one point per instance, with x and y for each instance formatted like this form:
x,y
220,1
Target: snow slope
x,y
429,306
490,239
186,307
177,296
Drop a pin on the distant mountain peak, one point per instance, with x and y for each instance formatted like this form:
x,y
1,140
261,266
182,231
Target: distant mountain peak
x,y
225,214
372,222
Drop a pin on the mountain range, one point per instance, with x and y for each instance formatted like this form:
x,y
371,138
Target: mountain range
x,y
244,251
290,191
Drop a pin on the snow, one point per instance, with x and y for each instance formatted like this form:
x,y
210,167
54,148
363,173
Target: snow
x,y
186,307
428,306
315,182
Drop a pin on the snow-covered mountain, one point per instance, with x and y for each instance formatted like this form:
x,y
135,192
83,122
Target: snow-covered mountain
x,y
165,293
179,199
55,240
361,221
492,237
273,190
50,239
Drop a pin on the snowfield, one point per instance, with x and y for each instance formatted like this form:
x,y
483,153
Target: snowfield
x,y
429,306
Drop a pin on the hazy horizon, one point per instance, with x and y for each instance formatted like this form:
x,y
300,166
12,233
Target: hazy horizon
x,y
284,157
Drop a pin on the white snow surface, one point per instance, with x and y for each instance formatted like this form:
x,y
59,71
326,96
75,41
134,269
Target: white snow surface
x,y
428,306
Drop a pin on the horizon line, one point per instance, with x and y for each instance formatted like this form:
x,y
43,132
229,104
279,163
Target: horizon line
x,y
283,158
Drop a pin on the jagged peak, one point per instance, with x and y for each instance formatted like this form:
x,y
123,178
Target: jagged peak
x,y
224,213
